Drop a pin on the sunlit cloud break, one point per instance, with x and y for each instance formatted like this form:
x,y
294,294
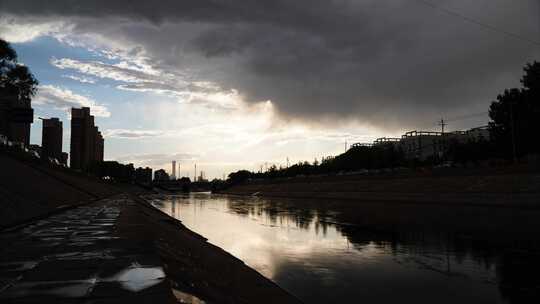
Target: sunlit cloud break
x,y
64,99
80,79
132,134
136,76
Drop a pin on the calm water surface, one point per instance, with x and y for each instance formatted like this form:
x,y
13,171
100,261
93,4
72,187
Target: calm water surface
x,y
304,252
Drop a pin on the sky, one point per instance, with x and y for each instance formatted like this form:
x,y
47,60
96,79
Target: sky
x,y
240,84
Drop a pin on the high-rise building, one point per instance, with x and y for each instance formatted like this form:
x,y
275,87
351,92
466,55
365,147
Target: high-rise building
x,y
173,175
100,146
16,115
87,143
51,139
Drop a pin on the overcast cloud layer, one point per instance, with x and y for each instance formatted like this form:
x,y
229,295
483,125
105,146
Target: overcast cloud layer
x,y
385,63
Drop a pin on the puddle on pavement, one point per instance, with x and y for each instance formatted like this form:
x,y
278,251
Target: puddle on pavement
x,y
82,227
136,278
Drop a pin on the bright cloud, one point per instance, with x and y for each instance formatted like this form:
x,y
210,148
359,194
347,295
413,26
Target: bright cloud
x,y
80,79
65,99
137,76
18,30
131,134
102,70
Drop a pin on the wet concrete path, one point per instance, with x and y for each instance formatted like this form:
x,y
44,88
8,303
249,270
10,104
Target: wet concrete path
x,y
84,255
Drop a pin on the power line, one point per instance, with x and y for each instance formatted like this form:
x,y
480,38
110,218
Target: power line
x,y
478,23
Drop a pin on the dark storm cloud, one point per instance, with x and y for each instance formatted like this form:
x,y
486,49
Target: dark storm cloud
x,y
390,63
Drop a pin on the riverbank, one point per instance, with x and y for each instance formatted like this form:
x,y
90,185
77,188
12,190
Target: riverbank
x,y
195,266
511,189
75,238
472,206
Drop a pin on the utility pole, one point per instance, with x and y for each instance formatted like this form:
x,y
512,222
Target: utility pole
x,y
195,175
442,124
287,162
345,146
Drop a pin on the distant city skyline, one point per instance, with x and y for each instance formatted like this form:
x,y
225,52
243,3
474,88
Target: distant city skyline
x,y
199,89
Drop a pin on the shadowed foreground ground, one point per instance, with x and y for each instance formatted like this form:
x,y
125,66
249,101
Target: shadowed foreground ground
x,y
121,250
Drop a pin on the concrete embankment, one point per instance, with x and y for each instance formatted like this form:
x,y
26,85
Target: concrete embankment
x,y
481,207
29,190
517,190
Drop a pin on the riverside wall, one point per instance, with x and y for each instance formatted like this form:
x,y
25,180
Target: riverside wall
x,y
517,189
30,189
485,207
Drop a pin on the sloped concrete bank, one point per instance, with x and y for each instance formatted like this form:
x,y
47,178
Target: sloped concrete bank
x,y
197,267
479,207
32,190
512,190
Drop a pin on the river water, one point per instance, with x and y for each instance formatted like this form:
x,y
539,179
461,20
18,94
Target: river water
x,y
306,252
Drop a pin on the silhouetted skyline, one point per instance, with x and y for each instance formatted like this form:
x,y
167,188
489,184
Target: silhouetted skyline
x,y
234,85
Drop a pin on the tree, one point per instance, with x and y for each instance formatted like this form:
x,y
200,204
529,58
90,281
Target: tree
x,y
15,78
240,176
514,114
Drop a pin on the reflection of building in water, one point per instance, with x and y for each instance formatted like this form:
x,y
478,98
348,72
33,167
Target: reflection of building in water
x,y
398,254
16,115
